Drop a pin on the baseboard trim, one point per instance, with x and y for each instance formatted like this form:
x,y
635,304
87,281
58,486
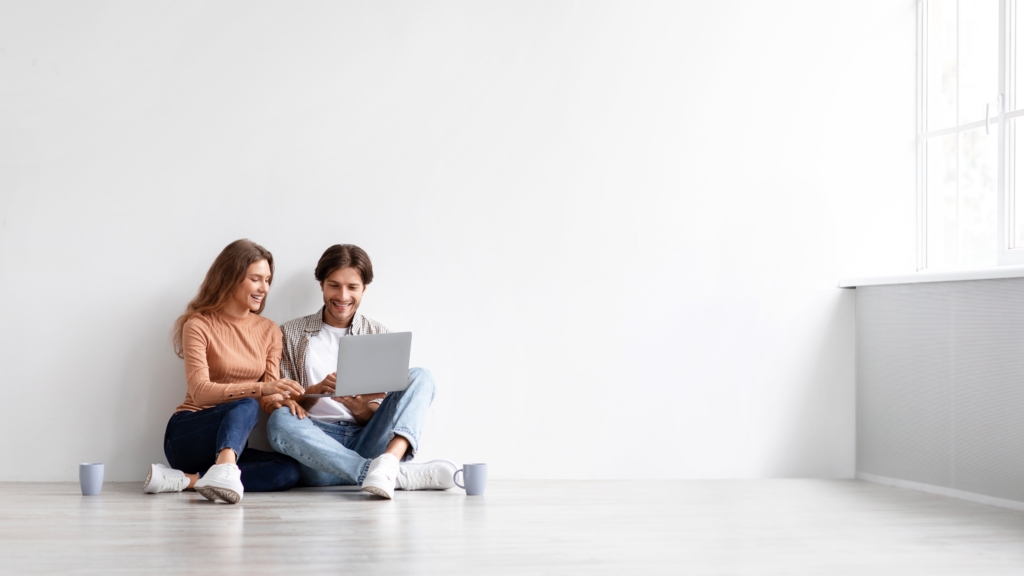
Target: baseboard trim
x,y
943,491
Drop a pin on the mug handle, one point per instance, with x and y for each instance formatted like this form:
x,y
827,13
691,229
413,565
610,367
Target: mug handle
x,y
456,475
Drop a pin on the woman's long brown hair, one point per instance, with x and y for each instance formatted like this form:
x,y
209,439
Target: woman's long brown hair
x,y
226,273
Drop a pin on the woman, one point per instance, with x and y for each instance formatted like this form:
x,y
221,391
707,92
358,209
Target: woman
x,y
232,356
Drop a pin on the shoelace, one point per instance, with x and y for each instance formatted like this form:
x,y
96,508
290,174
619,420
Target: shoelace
x,y
180,482
421,478
172,481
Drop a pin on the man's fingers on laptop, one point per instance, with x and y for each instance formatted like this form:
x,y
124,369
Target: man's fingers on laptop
x,y
357,407
320,388
324,387
347,401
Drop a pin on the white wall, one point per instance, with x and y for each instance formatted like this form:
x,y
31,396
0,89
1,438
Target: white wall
x,y
615,228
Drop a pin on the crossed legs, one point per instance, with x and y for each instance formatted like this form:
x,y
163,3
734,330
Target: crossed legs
x,y
334,454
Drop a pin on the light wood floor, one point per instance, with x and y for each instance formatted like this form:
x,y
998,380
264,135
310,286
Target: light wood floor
x,y
819,527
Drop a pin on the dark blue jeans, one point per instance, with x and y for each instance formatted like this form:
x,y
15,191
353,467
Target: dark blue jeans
x,y
193,440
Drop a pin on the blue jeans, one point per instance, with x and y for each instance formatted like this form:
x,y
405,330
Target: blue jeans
x,y
193,440
333,454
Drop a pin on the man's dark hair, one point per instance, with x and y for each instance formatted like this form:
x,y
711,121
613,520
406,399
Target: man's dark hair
x,y
344,256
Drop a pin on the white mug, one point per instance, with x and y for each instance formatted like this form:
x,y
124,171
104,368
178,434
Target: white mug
x,y
90,476
475,476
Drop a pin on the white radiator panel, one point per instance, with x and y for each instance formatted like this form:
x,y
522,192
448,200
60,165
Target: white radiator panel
x,y
940,385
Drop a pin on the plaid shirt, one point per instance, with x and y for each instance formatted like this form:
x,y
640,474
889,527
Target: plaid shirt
x,y
296,341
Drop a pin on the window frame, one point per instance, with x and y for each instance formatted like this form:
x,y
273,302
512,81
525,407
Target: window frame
x,y
1006,252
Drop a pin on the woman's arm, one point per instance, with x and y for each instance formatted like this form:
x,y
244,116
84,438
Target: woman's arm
x,y
273,369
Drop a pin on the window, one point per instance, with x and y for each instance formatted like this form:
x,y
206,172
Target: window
x,y
971,209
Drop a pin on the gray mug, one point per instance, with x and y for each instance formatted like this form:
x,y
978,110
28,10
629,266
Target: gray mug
x,y
90,476
475,477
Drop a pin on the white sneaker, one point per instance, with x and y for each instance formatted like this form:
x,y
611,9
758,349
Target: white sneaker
x,y
382,475
222,481
433,475
164,479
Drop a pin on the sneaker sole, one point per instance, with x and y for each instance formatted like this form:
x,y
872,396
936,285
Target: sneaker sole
x,y
149,478
212,493
378,491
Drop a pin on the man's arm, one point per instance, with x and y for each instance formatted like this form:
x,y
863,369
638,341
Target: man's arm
x,y
287,369
287,359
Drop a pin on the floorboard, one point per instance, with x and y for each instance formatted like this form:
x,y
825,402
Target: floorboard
x,y
819,527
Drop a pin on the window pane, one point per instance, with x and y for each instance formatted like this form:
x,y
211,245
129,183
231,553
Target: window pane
x,y
1018,54
1016,165
977,198
941,64
979,57
940,177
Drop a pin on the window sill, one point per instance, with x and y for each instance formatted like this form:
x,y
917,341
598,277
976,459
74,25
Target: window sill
x,y
993,273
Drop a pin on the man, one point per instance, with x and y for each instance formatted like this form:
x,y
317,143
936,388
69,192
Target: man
x,y
365,439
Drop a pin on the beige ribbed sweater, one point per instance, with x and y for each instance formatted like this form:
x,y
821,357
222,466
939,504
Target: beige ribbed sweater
x,y
228,359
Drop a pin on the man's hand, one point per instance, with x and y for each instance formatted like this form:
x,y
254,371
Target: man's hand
x,y
360,406
275,401
325,387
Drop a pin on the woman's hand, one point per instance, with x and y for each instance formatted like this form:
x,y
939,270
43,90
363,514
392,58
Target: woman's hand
x,y
296,410
283,387
325,387
275,401
270,403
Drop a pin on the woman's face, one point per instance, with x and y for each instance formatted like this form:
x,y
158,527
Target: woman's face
x,y
251,292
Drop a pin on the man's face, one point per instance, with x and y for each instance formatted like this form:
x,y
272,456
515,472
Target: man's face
x,y
343,290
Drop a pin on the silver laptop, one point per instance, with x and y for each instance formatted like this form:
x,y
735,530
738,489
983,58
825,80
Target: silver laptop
x,y
372,363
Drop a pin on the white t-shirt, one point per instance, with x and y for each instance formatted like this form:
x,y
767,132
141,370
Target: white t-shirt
x,y
321,360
